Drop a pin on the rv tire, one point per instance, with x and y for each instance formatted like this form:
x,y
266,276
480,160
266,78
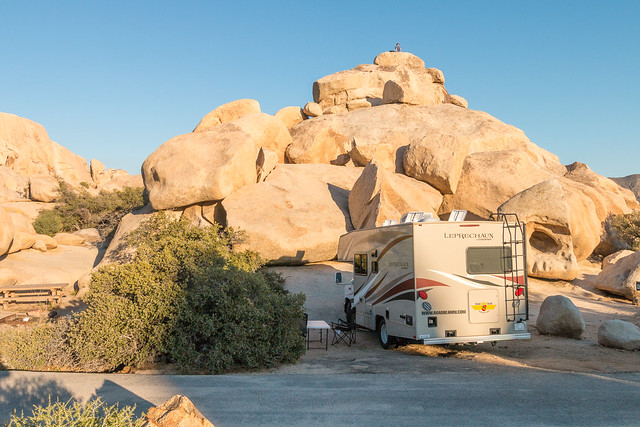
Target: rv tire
x,y
385,339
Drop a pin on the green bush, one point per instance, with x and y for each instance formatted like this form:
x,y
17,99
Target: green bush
x,y
94,413
187,298
628,229
48,222
78,210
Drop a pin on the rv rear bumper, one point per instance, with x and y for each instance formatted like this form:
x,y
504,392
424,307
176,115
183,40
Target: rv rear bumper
x,y
478,339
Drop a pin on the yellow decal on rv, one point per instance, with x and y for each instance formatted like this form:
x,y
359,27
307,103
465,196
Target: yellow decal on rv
x,y
483,306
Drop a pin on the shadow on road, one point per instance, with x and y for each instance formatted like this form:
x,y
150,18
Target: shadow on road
x,y
21,391
22,396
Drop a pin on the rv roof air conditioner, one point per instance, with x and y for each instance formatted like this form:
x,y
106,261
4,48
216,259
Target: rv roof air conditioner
x,y
418,216
389,222
457,215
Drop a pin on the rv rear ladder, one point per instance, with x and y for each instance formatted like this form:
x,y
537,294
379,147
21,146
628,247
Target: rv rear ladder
x,y
515,274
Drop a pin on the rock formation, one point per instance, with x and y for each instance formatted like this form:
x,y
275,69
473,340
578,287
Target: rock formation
x,y
621,276
296,215
379,194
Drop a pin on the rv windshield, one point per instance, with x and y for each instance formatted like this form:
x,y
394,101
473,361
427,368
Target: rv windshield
x,y
488,260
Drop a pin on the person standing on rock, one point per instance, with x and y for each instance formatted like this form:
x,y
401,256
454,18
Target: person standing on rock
x,y
398,47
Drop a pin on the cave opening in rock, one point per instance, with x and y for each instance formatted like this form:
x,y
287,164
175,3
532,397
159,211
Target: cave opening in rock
x,y
543,242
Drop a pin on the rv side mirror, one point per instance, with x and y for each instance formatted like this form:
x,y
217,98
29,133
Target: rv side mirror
x,y
338,277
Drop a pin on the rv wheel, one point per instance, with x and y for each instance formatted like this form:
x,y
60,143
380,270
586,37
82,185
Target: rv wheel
x,y
383,336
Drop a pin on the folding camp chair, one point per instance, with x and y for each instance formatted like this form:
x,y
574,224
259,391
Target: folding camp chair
x,y
345,331
302,325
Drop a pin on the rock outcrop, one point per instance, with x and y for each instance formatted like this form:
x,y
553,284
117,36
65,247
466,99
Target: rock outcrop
x,y
619,334
25,148
630,182
559,316
394,77
378,195
622,277
296,215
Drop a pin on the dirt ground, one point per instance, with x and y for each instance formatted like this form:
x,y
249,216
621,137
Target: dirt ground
x,y
324,299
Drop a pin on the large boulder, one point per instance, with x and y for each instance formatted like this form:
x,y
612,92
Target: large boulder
x,y
489,179
559,316
379,194
400,125
613,258
562,226
326,146
25,147
176,412
43,188
414,88
543,208
437,159
228,112
266,131
619,334
200,166
621,278
296,215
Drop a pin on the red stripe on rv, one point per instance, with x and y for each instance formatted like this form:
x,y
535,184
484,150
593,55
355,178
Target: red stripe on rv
x,y
517,280
401,287
426,283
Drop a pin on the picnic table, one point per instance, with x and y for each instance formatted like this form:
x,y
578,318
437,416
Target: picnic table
x,y
42,293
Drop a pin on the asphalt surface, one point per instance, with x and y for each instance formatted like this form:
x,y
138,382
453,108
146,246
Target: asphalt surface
x,y
508,396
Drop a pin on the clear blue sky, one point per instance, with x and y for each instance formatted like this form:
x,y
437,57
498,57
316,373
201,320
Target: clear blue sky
x,y
114,80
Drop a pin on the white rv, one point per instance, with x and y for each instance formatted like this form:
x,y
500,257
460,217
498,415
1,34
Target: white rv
x,y
439,282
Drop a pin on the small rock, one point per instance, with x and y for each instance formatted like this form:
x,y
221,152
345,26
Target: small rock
x,y
312,109
559,316
459,101
619,334
175,412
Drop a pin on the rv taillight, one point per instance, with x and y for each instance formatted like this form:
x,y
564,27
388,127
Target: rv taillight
x,y
422,294
519,291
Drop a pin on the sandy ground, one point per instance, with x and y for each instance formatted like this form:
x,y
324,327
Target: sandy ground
x,y
324,299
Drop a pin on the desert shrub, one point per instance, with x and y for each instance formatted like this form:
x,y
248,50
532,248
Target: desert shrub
x,y
41,346
627,228
78,210
187,297
48,222
94,413
235,320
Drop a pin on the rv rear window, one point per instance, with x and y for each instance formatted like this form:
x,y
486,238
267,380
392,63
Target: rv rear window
x,y
488,260
360,264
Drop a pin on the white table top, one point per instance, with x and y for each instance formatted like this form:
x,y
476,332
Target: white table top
x,y
317,324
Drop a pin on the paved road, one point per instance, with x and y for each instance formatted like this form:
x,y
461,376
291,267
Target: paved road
x,y
508,396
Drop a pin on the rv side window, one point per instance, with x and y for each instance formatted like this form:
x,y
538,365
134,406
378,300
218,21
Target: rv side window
x,y
374,266
488,260
360,264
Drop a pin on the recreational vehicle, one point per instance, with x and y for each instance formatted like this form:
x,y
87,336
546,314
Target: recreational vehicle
x,y
438,282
